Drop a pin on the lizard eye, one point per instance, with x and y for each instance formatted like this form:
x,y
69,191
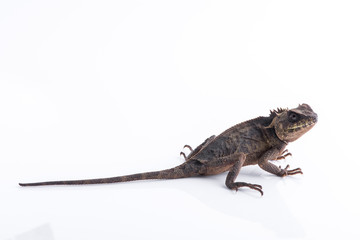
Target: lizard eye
x,y
293,117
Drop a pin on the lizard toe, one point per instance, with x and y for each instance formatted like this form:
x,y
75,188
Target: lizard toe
x,y
237,185
294,171
189,147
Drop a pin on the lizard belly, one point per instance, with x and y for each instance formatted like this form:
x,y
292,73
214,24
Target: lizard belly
x,y
213,170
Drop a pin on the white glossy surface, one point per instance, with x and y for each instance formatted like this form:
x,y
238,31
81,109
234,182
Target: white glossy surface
x,y
99,89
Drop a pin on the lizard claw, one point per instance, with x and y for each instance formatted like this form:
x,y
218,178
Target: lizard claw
x,y
189,147
294,171
284,154
256,187
183,154
285,172
285,151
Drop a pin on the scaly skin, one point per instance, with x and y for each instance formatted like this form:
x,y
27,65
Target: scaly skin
x,y
256,141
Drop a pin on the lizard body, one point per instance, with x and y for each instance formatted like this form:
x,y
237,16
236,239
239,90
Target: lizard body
x,y
256,141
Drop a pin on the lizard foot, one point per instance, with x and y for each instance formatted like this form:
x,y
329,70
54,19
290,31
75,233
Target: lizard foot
x,y
285,172
237,185
283,155
183,154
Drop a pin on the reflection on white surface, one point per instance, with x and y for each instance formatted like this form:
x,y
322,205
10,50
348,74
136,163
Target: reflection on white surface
x,y
43,232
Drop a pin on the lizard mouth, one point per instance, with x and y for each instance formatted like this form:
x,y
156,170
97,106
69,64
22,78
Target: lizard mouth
x,y
309,123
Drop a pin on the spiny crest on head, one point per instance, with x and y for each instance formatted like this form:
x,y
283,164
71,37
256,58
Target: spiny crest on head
x,y
277,111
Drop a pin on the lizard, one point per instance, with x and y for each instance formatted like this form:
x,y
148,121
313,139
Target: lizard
x,y
256,141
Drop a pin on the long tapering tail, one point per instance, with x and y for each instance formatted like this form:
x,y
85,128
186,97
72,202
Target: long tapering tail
x,y
184,170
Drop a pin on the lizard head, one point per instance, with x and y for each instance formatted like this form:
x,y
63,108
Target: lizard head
x,y
291,124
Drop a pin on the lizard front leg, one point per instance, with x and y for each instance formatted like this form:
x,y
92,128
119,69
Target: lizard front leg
x,y
234,172
271,168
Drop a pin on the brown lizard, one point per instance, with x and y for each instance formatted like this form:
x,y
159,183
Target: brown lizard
x,y
256,141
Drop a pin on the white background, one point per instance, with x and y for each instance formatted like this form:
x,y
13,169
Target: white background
x,y
105,88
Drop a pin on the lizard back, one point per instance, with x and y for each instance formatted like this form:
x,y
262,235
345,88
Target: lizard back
x,y
251,138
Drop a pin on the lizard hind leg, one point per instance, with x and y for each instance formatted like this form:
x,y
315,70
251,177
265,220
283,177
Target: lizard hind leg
x,y
234,172
184,155
197,149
